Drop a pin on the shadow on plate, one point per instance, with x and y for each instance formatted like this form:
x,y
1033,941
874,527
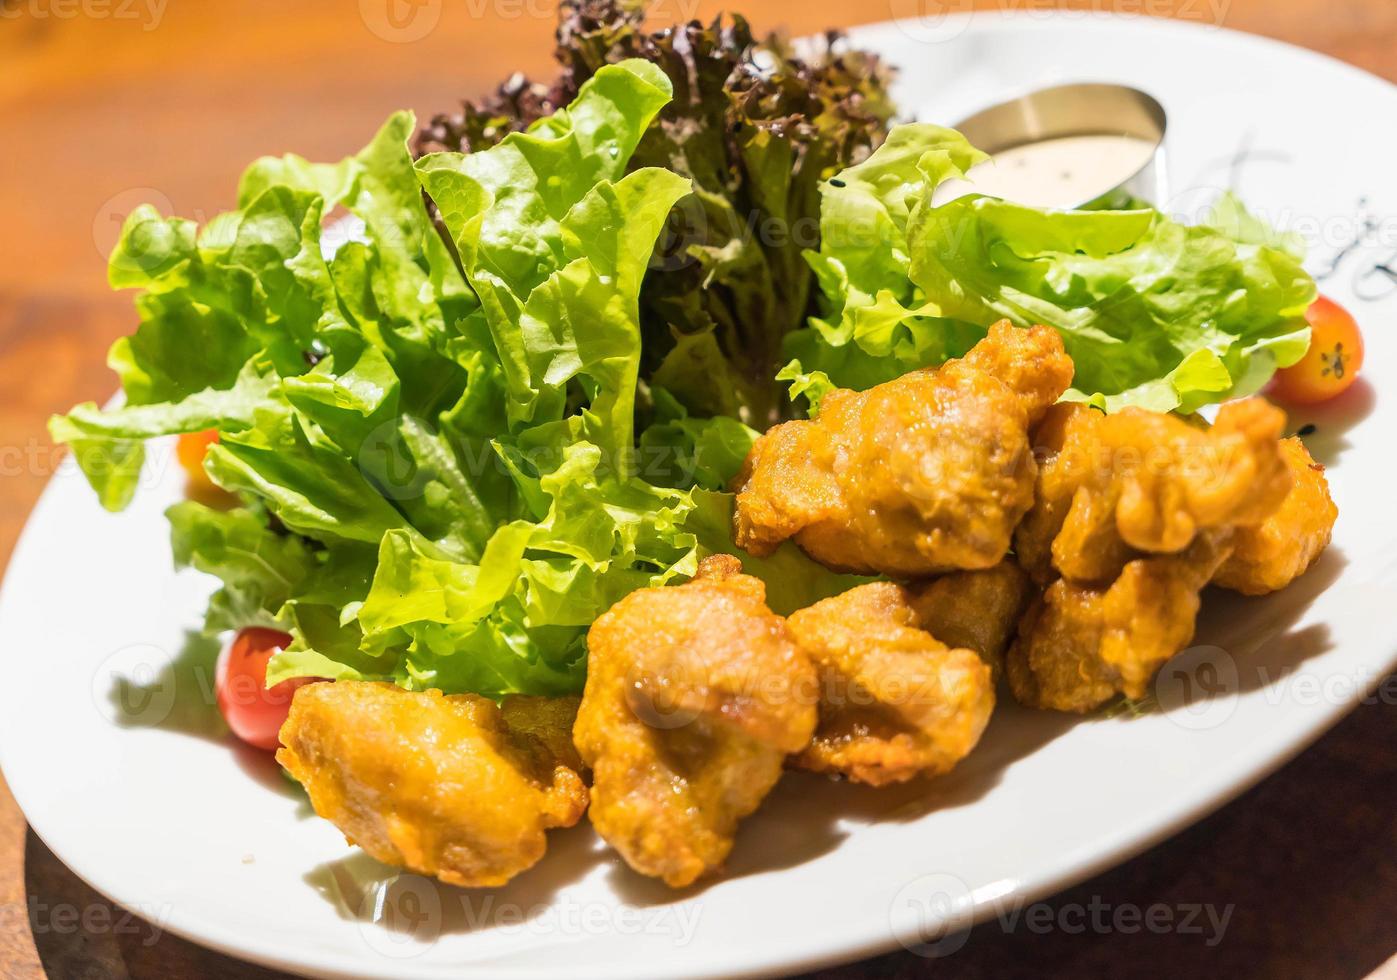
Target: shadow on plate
x,y
262,768
1333,419
179,698
364,890
1241,644
808,815
1260,633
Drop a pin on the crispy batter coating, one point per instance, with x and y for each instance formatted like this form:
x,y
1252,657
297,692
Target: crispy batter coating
x,y
695,696
1080,645
453,787
895,702
1067,443
925,474
975,610
1270,555
1113,488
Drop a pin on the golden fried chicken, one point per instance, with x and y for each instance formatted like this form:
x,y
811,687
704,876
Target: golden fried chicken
x,y
695,696
895,702
925,474
453,787
1067,444
1080,645
975,610
1115,487
1270,555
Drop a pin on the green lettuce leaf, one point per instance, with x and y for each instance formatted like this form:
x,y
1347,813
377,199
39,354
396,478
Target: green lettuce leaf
x,y
433,438
677,450
110,444
792,580
756,128
260,568
876,324
1153,312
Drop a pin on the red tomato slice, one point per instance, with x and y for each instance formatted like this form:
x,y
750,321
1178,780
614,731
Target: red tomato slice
x,y
1332,363
254,712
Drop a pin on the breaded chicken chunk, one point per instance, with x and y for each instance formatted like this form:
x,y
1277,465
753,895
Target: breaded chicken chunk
x,y
1116,487
454,787
895,702
1270,555
1081,645
975,610
926,474
695,696
1067,445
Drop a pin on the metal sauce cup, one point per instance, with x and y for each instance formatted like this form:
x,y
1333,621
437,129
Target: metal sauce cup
x,y
1090,109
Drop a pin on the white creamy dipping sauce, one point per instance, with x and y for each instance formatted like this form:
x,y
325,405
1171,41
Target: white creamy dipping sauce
x,y
1064,172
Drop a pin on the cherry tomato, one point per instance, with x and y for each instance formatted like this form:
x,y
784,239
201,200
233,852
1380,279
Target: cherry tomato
x,y
1331,364
254,712
191,449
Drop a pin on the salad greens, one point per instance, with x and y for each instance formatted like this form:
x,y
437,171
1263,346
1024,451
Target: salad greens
x,y
460,436
435,444
756,129
1154,313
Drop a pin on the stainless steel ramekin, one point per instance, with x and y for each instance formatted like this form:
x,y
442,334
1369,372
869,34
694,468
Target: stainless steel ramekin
x,y
1088,109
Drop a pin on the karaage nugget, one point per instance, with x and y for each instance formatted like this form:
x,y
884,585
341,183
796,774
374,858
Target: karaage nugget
x,y
1115,487
895,702
1067,445
695,696
1081,645
1270,555
975,610
454,787
925,474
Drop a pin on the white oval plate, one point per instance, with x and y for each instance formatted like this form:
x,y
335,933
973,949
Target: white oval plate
x,y
111,748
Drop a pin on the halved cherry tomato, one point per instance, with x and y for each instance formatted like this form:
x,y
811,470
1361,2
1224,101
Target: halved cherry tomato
x,y
191,449
1331,364
253,711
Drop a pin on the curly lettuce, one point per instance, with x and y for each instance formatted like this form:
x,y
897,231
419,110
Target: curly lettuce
x,y
432,438
1154,313
756,127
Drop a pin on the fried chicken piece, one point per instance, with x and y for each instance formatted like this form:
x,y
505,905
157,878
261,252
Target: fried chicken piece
x,y
925,474
1080,645
975,610
1067,444
453,787
1270,555
695,696
1115,487
895,702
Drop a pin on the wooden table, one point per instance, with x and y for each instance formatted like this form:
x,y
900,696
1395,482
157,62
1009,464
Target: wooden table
x,y
108,103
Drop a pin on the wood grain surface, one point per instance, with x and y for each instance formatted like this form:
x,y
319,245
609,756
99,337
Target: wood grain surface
x,y
105,104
